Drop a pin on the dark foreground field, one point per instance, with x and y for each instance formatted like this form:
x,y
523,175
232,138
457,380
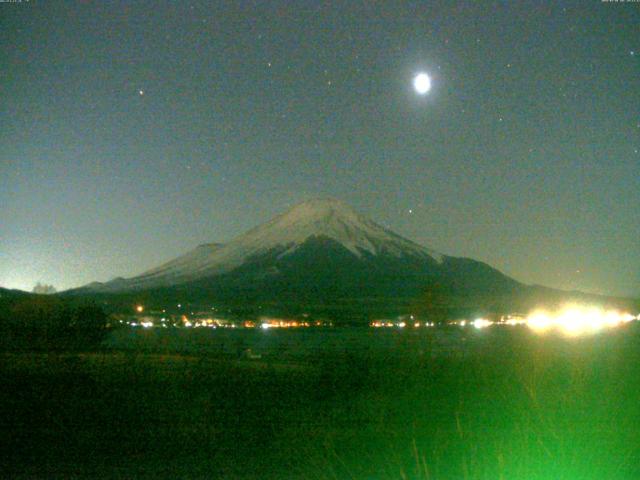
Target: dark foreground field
x,y
514,406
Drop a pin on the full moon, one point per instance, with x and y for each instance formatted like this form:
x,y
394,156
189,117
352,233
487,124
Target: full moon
x,y
422,83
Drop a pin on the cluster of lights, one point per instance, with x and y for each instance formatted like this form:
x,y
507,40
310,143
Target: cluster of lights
x,y
209,322
401,324
277,323
571,320
576,320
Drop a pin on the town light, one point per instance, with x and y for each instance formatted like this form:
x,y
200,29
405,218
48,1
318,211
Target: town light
x,y
573,320
481,323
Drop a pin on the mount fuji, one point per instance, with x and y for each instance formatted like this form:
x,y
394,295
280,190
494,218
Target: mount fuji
x,y
319,252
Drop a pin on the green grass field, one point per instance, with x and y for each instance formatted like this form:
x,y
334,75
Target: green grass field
x,y
517,406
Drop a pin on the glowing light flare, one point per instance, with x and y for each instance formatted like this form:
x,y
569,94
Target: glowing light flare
x,y
574,320
481,323
539,321
514,322
422,83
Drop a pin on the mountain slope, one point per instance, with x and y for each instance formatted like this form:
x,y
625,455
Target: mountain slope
x,y
283,235
6,293
319,256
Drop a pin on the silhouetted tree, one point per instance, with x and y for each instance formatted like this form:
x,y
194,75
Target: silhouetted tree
x,y
49,323
44,289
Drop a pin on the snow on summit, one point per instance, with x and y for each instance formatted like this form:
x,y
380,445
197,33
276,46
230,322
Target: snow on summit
x,y
327,218
335,220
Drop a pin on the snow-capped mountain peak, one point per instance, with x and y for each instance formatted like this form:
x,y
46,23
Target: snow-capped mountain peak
x,y
335,220
324,218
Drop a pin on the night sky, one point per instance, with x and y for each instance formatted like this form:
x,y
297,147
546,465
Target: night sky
x,y
130,132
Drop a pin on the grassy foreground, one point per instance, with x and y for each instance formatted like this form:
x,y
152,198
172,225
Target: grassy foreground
x,y
516,407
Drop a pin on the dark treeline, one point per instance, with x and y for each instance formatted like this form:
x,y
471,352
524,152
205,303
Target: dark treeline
x,y
38,322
